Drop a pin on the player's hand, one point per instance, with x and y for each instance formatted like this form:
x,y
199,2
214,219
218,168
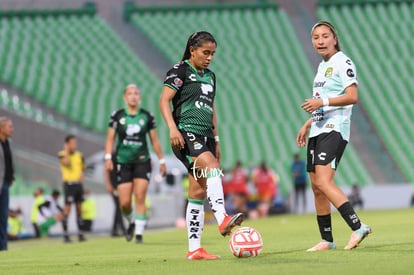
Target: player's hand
x,y
302,136
65,147
218,152
176,138
109,188
163,169
311,105
109,165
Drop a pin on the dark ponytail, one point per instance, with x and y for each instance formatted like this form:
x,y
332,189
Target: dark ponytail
x,y
196,40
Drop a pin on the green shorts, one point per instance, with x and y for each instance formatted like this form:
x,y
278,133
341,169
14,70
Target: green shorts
x,y
44,227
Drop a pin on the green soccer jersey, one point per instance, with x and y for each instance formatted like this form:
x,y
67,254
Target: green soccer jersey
x,y
131,131
194,98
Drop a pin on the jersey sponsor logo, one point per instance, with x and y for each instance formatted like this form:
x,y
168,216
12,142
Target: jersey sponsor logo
x,y
177,83
133,129
177,65
348,61
330,125
200,104
192,77
328,72
122,121
319,84
322,156
350,73
206,88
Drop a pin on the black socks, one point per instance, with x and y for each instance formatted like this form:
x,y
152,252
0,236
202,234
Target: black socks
x,y
325,227
349,215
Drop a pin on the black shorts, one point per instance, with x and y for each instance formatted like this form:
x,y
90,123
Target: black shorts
x,y
129,172
194,146
73,192
325,148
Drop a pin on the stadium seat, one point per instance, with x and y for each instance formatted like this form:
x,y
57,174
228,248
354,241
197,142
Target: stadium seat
x,y
70,63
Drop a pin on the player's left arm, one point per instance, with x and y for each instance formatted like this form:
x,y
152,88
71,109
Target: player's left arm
x,y
216,134
349,97
158,151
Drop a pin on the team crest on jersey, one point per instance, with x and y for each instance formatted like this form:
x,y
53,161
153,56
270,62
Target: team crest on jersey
x,y
122,121
328,72
141,122
197,146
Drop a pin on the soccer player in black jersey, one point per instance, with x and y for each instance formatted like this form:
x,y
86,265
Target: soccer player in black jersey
x,y
133,163
192,122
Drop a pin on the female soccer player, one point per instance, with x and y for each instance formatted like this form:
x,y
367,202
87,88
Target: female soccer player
x,y
131,125
334,93
191,87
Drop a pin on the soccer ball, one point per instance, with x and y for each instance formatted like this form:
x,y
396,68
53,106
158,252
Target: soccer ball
x,y
246,242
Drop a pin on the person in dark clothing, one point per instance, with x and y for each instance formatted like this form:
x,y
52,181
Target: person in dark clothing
x,y
6,176
118,227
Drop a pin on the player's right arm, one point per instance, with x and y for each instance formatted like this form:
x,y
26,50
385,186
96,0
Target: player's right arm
x,y
303,133
176,138
109,145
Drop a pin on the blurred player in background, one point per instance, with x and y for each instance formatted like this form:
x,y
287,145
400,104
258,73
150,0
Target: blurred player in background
x,y
265,181
49,213
88,211
191,88
298,169
131,125
334,93
111,186
6,176
38,200
72,166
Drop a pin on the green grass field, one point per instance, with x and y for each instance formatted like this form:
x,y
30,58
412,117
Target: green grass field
x,y
389,250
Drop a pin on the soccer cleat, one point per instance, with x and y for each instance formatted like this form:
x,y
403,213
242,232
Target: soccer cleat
x,y
358,236
201,254
229,222
130,232
323,245
138,239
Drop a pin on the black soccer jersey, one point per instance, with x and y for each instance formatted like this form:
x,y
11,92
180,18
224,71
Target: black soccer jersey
x,y
194,98
131,130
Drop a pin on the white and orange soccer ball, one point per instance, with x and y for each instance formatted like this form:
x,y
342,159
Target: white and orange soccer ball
x,y
246,242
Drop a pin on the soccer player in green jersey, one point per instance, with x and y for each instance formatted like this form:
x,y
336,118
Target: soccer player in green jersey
x,y
334,93
131,125
191,88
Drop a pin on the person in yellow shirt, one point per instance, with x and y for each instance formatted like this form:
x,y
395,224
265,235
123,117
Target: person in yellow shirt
x,y
88,211
72,166
39,199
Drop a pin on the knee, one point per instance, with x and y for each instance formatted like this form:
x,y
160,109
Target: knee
x,y
198,194
316,188
125,205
